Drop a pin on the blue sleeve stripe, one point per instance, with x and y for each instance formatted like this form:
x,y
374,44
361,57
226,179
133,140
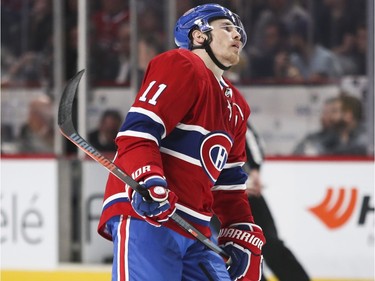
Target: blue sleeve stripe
x,y
151,115
143,124
232,177
184,142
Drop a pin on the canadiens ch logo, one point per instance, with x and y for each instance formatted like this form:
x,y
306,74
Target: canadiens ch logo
x,y
214,153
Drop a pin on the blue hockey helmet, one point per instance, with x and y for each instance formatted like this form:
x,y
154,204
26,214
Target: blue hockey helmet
x,y
199,18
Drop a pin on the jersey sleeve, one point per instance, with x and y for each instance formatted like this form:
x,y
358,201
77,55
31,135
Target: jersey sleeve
x,y
166,94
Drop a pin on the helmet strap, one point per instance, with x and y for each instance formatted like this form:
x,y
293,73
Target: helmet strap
x,y
206,46
209,51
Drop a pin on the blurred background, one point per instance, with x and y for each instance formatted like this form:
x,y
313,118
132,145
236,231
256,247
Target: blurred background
x,y
307,73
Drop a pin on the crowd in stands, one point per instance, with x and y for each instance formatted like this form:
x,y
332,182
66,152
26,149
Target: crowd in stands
x,y
26,42
289,41
295,41
36,133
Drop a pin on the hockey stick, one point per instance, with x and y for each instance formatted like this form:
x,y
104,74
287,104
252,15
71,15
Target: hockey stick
x,y
67,129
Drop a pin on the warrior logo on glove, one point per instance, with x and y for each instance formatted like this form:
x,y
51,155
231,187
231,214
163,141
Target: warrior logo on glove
x,y
241,235
243,242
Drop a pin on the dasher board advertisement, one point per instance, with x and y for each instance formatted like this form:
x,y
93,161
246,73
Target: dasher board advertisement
x,y
29,221
324,211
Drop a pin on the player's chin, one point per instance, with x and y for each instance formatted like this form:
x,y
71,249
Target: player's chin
x,y
234,59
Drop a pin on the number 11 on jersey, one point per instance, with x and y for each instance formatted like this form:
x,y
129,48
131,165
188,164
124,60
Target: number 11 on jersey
x,y
153,100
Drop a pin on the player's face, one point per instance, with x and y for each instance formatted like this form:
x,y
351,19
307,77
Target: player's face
x,y
226,41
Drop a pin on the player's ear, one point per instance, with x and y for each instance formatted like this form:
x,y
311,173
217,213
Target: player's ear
x,y
198,37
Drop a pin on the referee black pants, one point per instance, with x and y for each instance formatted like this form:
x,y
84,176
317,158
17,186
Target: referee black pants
x,y
277,256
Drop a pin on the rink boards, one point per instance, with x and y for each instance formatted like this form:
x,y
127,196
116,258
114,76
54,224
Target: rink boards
x,y
324,211
84,275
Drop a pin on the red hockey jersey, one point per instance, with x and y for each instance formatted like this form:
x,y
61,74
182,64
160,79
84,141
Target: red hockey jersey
x,y
188,127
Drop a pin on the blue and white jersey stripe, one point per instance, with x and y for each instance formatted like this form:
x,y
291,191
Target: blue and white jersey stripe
x,y
184,142
118,197
143,123
182,210
229,179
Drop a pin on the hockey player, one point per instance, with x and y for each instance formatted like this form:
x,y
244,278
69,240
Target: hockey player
x,y
184,140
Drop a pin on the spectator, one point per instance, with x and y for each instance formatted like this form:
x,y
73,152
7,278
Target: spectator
x,y
40,25
30,67
114,66
351,137
31,63
122,49
37,135
334,19
361,49
106,22
346,55
271,59
150,23
11,26
352,53
148,48
283,11
315,143
111,42
314,62
342,133
103,137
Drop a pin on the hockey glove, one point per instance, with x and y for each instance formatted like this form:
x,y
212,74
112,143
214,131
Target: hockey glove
x,y
162,205
243,242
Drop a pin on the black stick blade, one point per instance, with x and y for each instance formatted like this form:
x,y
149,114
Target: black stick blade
x,y
67,98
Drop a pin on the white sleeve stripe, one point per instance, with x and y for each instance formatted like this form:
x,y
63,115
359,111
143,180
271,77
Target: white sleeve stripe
x,y
181,156
229,187
137,134
192,213
233,165
150,114
115,196
187,127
